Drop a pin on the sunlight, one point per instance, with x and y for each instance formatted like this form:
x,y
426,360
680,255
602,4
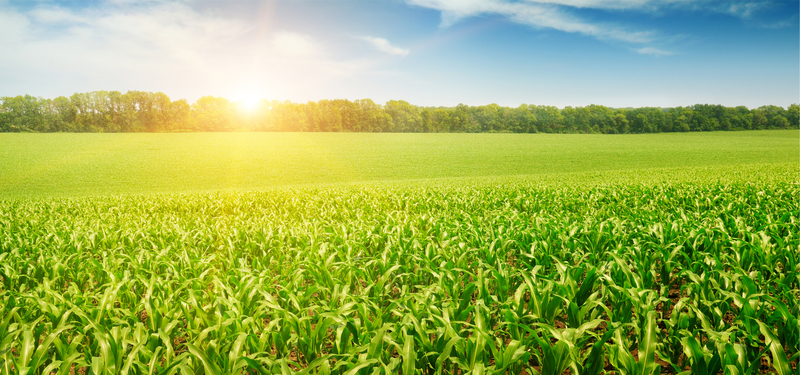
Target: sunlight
x,y
249,99
250,103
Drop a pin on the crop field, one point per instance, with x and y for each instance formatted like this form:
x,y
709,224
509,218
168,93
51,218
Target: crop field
x,y
69,164
667,258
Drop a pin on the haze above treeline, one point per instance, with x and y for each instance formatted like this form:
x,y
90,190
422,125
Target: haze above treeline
x,y
139,111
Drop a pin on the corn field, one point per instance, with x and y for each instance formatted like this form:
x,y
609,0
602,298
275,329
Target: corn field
x,y
513,278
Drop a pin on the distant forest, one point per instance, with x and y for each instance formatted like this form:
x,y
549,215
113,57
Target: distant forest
x,y
137,111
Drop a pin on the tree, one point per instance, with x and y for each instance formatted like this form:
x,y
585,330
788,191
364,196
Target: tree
x,y
621,123
793,116
489,117
213,114
641,124
405,117
180,116
601,119
371,117
21,114
61,115
138,111
548,118
331,116
759,119
741,118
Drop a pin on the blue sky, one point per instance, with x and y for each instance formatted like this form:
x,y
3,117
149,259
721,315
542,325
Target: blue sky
x,y
619,53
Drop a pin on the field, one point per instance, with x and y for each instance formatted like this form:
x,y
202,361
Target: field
x,y
399,254
63,164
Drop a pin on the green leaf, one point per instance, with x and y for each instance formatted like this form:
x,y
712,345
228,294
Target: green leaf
x,y
595,361
211,367
366,363
647,346
446,352
409,355
253,364
779,359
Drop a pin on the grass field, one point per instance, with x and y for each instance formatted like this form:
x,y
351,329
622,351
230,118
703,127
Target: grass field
x,y
364,254
41,165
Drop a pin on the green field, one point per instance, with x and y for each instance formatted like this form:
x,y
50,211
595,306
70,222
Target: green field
x,y
362,254
40,165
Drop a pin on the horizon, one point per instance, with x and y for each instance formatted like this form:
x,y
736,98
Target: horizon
x,y
249,102
430,53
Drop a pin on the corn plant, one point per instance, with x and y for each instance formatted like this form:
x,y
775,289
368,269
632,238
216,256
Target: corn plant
x,y
699,276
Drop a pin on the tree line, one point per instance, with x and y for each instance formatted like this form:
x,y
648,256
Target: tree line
x,y
139,111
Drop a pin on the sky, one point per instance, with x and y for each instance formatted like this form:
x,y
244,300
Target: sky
x,y
618,53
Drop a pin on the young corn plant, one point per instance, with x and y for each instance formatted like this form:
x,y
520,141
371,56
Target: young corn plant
x,y
441,278
624,361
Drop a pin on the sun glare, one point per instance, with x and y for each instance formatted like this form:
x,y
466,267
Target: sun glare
x,y
249,99
250,104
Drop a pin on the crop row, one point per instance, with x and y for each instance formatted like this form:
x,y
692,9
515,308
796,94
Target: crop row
x,y
485,279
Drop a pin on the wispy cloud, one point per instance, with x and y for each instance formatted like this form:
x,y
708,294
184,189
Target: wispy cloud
x,y
614,4
561,15
790,22
752,12
742,9
536,14
56,16
158,46
296,45
383,45
738,8
158,37
653,51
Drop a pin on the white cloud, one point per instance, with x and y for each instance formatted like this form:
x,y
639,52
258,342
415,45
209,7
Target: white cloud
x,y
653,51
615,4
159,46
296,45
744,9
55,16
557,15
383,45
12,26
738,8
139,38
535,14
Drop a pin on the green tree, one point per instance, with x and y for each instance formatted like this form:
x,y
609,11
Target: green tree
x,y
331,119
548,118
641,124
793,116
375,117
760,120
180,116
405,117
22,114
213,114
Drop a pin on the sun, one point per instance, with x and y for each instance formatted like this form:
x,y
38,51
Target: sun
x,y
249,99
250,104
